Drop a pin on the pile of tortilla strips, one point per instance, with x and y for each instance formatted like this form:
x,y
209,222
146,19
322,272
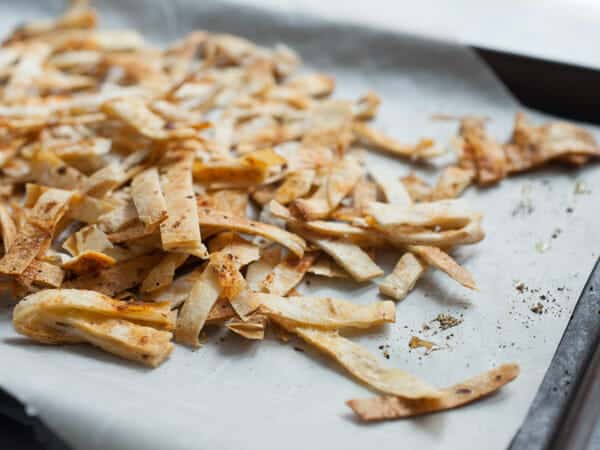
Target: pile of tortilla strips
x,y
147,193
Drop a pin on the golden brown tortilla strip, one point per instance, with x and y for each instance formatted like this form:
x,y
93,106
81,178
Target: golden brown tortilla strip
x,y
181,230
162,274
473,389
363,365
325,313
444,213
403,278
441,260
220,312
7,227
422,150
148,199
43,274
287,274
296,185
451,183
89,261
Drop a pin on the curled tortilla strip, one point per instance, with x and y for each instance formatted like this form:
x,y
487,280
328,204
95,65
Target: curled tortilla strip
x,y
481,153
220,312
253,328
325,313
208,217
89,261
181,230
473,389
296,185
288,274
441,260
362,365
424,149
403,278
366,107
7,227
351,257
148,199
325,267
451,183
443,213
193,315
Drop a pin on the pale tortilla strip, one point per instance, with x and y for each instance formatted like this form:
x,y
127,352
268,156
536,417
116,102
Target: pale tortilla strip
x,y
366,107
445,213
8,228
177,291
105,180
451,183
258,270
208,217
118,218
89,209
314,84
441,260
27,71
253,328
87,238
363,365
243,251
325,267
194,312
115,279
425,148
403,278
364,192
148,198
47,169
296,184
394,191
325,313
351,257
181,230
220,313
288,274
234,201
473,389
162,274
136,231
135,113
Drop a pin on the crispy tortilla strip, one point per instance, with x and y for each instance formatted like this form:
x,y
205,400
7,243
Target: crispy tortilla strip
x,y
363,365
148,199
227,270
47,169
43,274
481,153
243,251
118,218
244,303
351,257
325,267
181,230
26,72
441,260
288,274
315,84
394,191
339,182
7,227
451,183
253,328
532,146
296,185
473,389
403,278
88,238
105,180
220,312
194,312
444,213
89,209
89,261
134,112
208,217
326,313
234,201
343,231
366,107
469,234
364,192
133,232
177,291
37,232
258,270
424,149
123,275
162,274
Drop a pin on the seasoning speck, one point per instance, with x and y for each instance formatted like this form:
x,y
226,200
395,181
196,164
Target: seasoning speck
x,y
447,321
538,308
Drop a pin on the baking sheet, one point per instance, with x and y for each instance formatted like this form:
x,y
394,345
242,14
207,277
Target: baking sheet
x,y
236,394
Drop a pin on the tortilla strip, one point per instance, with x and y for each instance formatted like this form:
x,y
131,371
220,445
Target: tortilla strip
x,y
26,72
287,274
451,183
148,199
42,273
403,278
105,180
134,112
118,218
363,365
220,312
366,107
89,209
389,407
208,217
135,231
8,228
351,257
325,267
194,312
244,252
314,84
181,230
227,271
445,213
339,182
89,261
394,191
234,201
424,149
162,274
47,169
253,328
325,313
364,192
441,260
296,185
481,153
115,279
177,291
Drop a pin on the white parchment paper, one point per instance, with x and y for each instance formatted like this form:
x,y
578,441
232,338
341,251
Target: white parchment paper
x,y
235,394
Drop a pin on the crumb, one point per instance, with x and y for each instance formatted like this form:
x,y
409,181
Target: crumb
x,y
447,321
520,286
538,308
